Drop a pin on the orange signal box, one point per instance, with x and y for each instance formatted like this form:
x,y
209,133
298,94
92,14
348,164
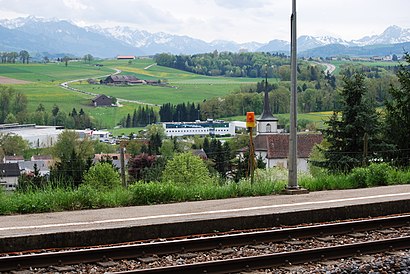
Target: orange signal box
x,y
250,119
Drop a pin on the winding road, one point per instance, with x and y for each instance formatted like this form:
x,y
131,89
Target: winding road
x,y
66,86
329,67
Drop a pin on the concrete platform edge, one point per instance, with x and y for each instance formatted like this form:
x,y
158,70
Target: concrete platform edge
x,y
165,230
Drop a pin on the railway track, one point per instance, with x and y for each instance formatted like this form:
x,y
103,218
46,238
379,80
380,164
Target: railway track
x,y
104,254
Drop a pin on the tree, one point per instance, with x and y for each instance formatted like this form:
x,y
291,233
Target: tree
x,y
398,116
138,164
356,128
102,176
186,169
65,59
24,56
13,144
88,58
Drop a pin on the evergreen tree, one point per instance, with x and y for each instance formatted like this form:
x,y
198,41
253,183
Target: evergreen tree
x,y
398,116
206,145
128,121
347,133
134,118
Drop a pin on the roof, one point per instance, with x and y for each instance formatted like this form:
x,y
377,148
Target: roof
x,y
41,157
200,153
277,145
13,158
266,113
123,78
102,100
9,170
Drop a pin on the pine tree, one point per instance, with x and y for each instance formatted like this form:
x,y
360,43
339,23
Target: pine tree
x,y
128,121
398,116
348,128
135,119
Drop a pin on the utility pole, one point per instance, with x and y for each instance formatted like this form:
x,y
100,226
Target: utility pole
x,y
293,187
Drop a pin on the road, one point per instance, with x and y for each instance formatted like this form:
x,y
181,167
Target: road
x,y
66,86
329,67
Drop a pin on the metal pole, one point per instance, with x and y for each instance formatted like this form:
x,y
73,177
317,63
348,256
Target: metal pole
x,y
122,161
251,155
292,179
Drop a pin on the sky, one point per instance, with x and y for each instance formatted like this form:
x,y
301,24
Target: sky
x,y
233,20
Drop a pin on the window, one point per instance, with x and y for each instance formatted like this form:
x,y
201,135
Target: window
x,y
268,128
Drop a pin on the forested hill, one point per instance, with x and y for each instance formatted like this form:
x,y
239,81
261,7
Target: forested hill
x,y
227,64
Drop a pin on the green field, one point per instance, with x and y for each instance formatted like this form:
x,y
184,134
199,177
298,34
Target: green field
x,y
182,87
45,80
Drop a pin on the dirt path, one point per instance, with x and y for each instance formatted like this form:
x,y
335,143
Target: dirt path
x,y
8,81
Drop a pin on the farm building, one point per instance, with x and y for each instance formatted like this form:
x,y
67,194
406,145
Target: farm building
x,y
102,101
123,80
125,57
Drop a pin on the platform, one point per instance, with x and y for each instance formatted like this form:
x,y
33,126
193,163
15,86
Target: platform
x,y
100,226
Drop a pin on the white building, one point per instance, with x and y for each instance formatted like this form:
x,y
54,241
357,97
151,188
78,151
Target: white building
x,y
37,136
202,128
272,145
94,134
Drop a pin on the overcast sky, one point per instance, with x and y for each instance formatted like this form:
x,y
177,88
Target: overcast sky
x,y
236,20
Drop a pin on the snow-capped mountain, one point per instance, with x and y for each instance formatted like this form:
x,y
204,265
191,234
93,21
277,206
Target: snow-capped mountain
x,y
59,36
392,35
152,43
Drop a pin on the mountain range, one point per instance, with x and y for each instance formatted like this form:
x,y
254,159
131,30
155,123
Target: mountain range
x,y
52,36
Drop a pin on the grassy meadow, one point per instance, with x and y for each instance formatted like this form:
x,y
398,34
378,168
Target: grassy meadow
x,y
45,80
182,87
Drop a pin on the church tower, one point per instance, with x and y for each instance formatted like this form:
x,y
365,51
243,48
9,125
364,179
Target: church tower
x,y
266,123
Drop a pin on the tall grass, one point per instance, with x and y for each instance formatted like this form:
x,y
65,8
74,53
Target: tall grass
x,y
54,197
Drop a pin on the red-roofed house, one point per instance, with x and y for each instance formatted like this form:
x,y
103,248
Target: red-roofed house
x,y
273,146
274,149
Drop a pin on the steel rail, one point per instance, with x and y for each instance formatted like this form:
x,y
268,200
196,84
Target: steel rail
x,y
281,259
8,263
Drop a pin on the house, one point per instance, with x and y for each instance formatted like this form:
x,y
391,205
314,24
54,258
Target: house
x,y
125,57
114,157
200,153
13,159
9,174
102,101
42,163
123,80
274,149
272,145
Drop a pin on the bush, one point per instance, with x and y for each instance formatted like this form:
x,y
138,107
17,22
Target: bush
x,y
359,177
186,169
378,174
399,177
102,176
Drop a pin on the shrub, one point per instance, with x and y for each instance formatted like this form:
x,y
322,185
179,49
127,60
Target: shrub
x,y
102,176
399,177
359,177
187,169
378,174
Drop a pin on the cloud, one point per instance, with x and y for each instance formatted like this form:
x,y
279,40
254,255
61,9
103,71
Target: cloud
x,y
242,4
